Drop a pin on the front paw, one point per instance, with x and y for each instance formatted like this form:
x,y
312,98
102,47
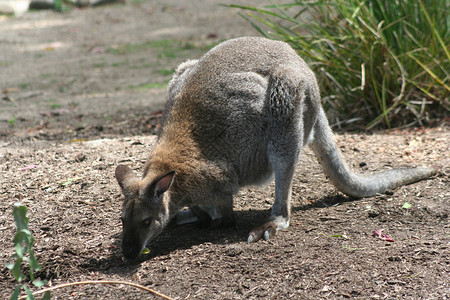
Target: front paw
x,y
265,231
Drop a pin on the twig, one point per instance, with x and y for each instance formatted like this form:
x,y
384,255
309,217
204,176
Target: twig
x,y
412,276
101,282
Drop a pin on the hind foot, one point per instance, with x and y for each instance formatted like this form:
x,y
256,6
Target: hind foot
x,y
268,230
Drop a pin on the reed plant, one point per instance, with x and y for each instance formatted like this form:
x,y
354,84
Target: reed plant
x,y
379,63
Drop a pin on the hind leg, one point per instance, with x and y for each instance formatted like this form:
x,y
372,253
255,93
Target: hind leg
x,y
287,97
281,209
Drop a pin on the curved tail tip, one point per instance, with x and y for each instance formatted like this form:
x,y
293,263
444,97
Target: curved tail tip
x,y
424,172
432,170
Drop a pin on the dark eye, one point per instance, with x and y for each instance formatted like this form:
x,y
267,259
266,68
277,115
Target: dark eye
x,y
147,222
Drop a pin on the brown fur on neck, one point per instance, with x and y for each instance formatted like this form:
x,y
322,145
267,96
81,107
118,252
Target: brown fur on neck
x,y
195,177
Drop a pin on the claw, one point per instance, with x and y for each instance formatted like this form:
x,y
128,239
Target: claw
x,y
265,231
269,232
250,238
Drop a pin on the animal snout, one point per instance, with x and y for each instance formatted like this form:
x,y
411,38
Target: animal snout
x,y
131,249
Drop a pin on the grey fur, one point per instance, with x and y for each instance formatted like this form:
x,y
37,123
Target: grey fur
x,y
238,116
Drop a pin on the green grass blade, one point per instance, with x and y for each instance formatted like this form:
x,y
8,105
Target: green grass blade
x,y
429,71
258,28
436,33
15,295
29,293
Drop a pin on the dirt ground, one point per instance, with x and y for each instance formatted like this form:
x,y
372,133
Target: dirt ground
x,y
82,92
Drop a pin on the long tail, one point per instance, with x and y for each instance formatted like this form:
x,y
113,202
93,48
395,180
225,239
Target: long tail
x,y
352,184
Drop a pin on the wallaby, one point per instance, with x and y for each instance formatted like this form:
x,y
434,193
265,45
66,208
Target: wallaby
x,y
237,116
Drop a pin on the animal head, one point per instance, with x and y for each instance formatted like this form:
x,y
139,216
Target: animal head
x,y
145,210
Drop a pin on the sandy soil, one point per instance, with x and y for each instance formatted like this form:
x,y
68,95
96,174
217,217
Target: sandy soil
x,y
82,92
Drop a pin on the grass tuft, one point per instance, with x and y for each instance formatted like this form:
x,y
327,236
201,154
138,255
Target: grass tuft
x,y
379,63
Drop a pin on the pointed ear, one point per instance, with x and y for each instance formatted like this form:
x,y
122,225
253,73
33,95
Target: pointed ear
x,y
163,183
123,175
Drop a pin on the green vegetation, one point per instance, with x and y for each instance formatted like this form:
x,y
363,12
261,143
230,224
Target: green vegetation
x,y
119,64
99,64
150,85
379,63
23,245
166,72
62,5
12,121
162,45
53,103
24,85
137,2
4,63
58,5
164,48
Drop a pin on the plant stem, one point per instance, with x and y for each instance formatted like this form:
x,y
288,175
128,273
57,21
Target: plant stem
x,y
101,282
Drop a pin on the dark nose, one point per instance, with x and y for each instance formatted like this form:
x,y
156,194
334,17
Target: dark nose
x,y
130,248
130,253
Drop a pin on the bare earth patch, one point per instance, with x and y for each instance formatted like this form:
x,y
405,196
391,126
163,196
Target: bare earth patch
x,y
79,112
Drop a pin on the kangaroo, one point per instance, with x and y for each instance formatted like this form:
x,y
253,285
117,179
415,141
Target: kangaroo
x,y
238,116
